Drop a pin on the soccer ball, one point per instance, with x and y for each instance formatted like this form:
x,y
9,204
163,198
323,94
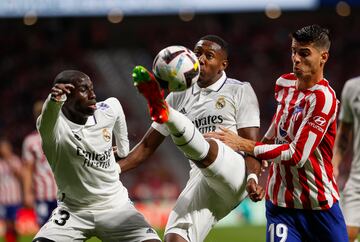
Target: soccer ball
x,y
178,66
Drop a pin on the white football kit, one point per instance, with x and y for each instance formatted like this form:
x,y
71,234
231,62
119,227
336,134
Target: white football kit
x,y
350,113
211,193
91,199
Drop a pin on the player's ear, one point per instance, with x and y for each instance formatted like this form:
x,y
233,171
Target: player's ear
x,y
224,64
324,57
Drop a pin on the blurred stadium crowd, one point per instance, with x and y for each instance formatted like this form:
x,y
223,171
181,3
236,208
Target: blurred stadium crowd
x,y
33,55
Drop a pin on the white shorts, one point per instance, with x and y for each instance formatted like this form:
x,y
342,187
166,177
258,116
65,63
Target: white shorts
x,y
116,224
209,195
350,204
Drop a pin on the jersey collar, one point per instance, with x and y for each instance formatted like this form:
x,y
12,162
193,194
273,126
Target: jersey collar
x,y
76,127
215,87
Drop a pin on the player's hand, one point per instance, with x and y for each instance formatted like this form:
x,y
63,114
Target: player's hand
x,y
264,166
227,136
255,191
60,89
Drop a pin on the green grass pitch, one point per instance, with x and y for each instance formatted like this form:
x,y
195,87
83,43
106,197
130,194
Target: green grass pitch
x,y
246,233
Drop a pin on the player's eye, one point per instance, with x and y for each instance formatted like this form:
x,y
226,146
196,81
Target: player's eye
x,y
197,53
209,56
83,89
304,53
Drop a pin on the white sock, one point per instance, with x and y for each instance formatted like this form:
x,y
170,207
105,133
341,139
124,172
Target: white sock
x,y
186,136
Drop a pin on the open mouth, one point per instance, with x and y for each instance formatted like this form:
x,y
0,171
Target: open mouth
x,y
297,69
92,106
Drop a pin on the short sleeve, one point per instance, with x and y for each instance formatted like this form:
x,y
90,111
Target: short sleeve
x,y
345,110
247,111
27,152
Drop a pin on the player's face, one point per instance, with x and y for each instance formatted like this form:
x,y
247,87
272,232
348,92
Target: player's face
x,y
82,100
212,62
308,60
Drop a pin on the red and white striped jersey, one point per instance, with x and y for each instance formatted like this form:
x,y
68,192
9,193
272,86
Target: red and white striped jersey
x,y
10,185
303,130
43,178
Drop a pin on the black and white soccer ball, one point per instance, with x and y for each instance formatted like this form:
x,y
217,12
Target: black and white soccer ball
x,y
177,66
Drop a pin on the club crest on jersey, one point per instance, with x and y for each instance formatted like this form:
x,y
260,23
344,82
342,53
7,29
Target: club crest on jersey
x,y
297,109
106,134
220,103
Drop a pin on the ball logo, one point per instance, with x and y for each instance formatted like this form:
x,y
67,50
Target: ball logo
x,y
106,134
220,103
319,120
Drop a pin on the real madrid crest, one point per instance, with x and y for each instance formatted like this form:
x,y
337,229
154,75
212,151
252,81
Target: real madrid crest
x,y
106,134
220,102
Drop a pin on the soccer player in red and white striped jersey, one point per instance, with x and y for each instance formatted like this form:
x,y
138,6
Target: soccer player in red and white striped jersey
x,y
39,186
10,188
299,146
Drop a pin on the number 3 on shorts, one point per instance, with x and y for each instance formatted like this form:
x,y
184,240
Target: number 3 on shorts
x,y
64,215
280,230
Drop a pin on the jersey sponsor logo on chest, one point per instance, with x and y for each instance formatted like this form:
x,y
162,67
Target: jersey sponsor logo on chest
x,y
94,159
317,122
208,123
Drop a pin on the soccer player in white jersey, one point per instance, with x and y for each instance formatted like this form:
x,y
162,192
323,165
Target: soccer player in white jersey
x,y
302,195
39,186
214,188
76,134
349,132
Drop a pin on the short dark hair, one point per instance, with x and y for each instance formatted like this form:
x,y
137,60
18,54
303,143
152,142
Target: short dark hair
x,y
218,40
69,76
313,34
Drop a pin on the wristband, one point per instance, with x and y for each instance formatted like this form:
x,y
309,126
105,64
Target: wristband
x,y
252,176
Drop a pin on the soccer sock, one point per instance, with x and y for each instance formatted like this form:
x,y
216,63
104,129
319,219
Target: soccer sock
x,y
10,235
186,137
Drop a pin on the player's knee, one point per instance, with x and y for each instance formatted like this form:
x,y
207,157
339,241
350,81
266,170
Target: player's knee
x,y
172,237
352,233
211,155
42,239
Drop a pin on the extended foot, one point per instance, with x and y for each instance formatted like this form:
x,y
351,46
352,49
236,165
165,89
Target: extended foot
x,y
147,85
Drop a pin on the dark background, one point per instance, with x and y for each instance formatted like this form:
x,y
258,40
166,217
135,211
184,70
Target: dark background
x,y
31,56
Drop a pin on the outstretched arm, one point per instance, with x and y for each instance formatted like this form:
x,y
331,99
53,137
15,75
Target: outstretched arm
x,y
51,109
253,166
342,143
143,150
309,135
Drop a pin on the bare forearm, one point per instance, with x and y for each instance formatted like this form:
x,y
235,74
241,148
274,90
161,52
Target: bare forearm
x,y
342,142
133,160
27,179
142,151
246,145
252,165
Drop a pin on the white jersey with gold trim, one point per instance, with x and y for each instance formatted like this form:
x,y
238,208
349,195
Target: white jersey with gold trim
x,y
227,103
350,113
81,156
